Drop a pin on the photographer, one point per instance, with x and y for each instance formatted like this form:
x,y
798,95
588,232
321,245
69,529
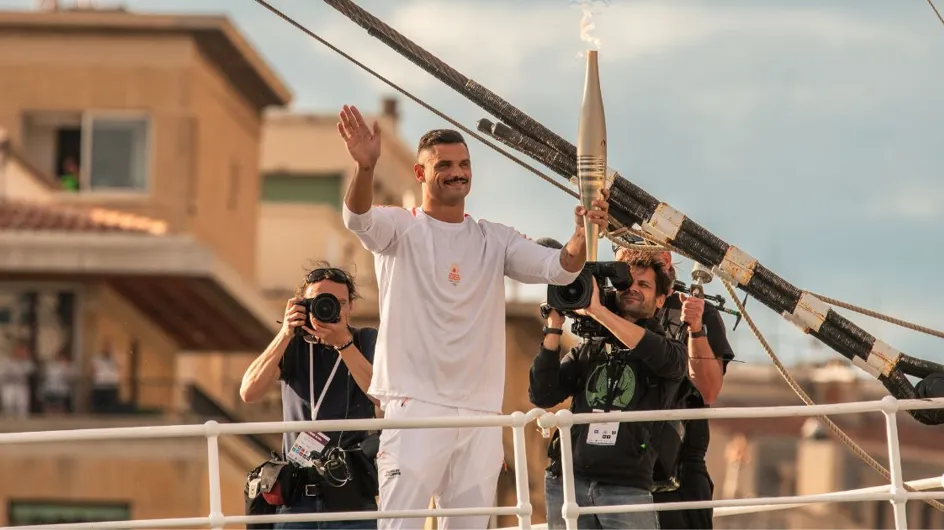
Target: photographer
x,y
638,368
699,325
324,366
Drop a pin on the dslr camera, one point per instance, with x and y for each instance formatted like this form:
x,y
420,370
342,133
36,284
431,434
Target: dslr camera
x,y
576,295
324,307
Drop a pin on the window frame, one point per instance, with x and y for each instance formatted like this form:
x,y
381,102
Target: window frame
x,y
88,119
337,178
52,505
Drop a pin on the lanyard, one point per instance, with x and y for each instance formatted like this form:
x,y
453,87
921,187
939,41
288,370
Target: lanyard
x,y
311,382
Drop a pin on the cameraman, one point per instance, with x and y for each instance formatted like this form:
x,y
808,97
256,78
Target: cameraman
x,y
699,325
613,462
324,372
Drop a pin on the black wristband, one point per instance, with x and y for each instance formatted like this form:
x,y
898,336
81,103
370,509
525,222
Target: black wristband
x,y
699,333
345,345
554,331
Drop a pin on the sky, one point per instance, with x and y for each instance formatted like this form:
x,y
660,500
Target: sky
x,y
809,134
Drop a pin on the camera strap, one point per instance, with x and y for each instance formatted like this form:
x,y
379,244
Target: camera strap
x,y
311,382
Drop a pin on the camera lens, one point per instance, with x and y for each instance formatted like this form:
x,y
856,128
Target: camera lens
x,y
326,308
572,293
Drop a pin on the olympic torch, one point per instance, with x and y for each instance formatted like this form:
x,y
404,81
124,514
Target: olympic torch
x,y
591,149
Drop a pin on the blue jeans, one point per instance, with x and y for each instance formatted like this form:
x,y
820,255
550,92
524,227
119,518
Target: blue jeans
x,y
316,505
592,493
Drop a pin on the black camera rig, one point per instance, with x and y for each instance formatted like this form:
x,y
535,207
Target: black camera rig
x,y
611,276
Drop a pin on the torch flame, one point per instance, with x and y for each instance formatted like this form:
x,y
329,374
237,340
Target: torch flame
x,y
588,8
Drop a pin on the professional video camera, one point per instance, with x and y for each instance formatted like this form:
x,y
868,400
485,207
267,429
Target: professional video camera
x,y
576,295
324,307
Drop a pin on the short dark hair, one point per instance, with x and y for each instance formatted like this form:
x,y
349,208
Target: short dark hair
x,y
643,259
440,136
321,271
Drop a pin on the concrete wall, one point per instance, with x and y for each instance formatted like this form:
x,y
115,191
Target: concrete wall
x,y
18,183
157,478
111,319
203,138
293,236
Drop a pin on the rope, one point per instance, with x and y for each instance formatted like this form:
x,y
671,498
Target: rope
x,y
936,12
838,303
795,386
415,99
790,380
880,316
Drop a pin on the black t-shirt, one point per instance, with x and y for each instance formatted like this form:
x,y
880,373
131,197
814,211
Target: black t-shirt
x,y
343,400
697,436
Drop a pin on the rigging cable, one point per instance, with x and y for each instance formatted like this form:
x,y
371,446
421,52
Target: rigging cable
x,y
936,12
417,100
843,437
631,205
793,383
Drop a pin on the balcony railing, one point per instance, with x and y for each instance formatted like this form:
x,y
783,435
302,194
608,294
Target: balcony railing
x,y
895,492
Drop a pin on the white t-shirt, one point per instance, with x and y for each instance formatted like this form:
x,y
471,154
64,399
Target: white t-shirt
x,y
105,372
442,303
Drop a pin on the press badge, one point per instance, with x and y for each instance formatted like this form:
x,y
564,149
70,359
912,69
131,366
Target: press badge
x,y
602,433
307,447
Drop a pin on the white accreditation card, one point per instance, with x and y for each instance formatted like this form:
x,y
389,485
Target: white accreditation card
x,y
602,433
307,447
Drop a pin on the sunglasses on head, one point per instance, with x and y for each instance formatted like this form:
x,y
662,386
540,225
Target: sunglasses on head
x,y
330,273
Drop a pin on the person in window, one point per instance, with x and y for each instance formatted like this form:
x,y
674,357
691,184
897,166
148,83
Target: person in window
x,y
69,178
325,373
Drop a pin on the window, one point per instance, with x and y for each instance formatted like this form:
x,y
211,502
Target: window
x,y
90,151
26,513
303,188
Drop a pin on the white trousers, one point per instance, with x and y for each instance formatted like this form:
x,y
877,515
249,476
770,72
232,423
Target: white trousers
x,y
15,399
458,468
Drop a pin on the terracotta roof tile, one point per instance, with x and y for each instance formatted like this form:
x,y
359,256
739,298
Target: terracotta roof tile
x,y
24,216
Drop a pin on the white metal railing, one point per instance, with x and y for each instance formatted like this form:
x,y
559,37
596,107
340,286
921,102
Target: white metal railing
x,y
889,407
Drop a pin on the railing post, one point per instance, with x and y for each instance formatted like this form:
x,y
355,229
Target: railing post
x,y
899,494
213,459
570,510
522,486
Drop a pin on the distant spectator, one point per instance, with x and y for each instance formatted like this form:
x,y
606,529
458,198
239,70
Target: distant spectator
x,y
105,379
69,179
15,375
58,378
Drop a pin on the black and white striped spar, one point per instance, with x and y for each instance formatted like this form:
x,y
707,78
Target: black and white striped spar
x,y
630,204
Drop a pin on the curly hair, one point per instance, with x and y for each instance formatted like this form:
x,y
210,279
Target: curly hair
x,y
648,259
321,271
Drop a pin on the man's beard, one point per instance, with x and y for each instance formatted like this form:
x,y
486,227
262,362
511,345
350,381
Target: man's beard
x,y
635,308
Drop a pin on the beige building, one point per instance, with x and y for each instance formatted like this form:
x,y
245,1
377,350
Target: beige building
x,y
770,457
158,202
